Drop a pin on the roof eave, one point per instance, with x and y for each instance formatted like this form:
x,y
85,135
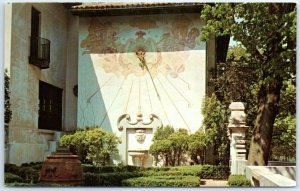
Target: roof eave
x,y
121,11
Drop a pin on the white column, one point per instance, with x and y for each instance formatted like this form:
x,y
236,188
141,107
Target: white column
x,y
237,134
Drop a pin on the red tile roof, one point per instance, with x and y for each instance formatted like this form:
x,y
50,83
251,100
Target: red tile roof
x,y
104,5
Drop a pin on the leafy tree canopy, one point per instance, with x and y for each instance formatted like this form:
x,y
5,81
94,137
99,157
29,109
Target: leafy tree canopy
x,y
267,31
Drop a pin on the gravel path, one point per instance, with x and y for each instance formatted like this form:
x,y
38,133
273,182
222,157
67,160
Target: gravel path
x,y
213,183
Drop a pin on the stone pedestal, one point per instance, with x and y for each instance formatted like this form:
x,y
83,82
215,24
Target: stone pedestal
x,y
237,134
62,167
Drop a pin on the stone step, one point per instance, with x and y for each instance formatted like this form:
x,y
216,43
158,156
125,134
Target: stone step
x,y
240,141
240,146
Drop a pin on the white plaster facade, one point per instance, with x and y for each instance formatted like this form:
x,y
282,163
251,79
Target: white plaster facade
x,y
71,65
27,143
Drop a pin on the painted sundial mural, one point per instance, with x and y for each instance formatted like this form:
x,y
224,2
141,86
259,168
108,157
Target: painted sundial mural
x,y
118,44
141,65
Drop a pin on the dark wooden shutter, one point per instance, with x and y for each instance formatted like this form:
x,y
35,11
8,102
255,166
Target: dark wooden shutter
x,y
50,108
35,23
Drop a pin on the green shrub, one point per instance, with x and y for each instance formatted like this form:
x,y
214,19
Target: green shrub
x,y
238,180
21,184
109,169
108,179
174,171
12,168
29,172
34,165
192,170
97,169
155,181
10,178
29,175
92,145
214,172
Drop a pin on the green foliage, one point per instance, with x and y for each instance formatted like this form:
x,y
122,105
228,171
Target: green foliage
x,y
28,172
236,80
214,124
284,133
238,180
155,181
174,171
93,145
169,145
10,178
198,143
29,175
34,165
21,184
267,32
116,175
188,170
163,132
288,99
109,169
7,110
108,179
11,168
214,172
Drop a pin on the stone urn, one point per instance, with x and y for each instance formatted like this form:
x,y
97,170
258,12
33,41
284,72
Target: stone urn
x,y
62,167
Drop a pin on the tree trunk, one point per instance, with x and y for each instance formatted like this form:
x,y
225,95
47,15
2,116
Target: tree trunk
x,y
167,160
268,102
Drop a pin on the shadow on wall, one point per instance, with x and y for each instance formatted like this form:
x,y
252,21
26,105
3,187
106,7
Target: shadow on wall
x,y
91,107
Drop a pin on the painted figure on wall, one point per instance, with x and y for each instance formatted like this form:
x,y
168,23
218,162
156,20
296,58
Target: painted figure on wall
x,y
117,55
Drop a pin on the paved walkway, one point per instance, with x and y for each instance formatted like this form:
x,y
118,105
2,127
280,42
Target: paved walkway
x,y
213,183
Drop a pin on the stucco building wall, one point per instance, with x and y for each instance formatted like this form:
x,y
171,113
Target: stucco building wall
x,y
112,81
99,54
27,143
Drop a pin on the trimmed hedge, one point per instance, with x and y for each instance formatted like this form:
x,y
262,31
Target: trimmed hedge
x,y
11,168
10,178
29,172
109,169
238,180
21,184
29,175
155,181
214,172
108,179
157,169
174,171
34,165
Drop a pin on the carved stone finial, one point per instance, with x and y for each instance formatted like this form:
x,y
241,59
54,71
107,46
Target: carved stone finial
x,y
139,116
238,116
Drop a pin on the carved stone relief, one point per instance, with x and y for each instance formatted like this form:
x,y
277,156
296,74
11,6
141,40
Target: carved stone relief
x,y
140,135
137,137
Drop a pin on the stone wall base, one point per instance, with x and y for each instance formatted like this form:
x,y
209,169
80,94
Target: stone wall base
x,y
238,167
